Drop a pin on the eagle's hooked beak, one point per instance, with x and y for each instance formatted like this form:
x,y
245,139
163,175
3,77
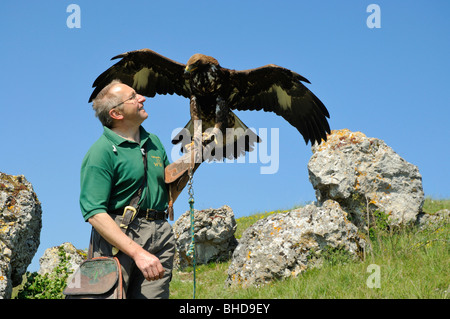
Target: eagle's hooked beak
x,y
189,69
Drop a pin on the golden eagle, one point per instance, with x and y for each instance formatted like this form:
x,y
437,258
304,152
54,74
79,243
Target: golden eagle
x,y
214,91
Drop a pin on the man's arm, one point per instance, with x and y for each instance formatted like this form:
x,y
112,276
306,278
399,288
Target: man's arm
x,y
149,264
176,175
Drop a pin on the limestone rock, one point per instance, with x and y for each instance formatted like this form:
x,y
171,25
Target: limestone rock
x,y
437,219
20,228
363,174
286,244
214,236
51,258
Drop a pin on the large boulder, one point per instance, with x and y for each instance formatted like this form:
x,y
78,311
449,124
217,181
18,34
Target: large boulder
x,y
286,244
214,236
366,176
20,228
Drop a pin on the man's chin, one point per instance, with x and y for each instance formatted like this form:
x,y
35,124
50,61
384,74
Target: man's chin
x,y
143,113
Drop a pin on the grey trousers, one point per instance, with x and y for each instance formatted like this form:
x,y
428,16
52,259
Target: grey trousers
x,y
154,236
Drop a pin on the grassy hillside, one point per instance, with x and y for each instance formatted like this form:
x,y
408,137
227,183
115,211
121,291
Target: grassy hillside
x,y
412,264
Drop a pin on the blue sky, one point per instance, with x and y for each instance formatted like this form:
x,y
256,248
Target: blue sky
x,y
390,83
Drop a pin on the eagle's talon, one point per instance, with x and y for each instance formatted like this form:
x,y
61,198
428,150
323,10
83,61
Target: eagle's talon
x,y
207,137
189,146
210,137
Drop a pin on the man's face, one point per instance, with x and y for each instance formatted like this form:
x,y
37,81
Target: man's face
x,y
132,108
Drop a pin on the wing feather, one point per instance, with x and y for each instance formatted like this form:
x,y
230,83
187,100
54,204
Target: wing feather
x,y
275,89
148,72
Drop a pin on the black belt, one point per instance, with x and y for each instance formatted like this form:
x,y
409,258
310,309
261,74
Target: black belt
x,y
149,214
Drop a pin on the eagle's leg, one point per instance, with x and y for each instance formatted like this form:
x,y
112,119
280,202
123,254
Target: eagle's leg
x,y
197,130
222,111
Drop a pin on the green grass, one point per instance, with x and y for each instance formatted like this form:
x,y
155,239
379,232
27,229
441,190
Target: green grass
x,y
413,264
431,205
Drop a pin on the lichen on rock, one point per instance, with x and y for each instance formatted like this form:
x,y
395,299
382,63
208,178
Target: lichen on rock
x,y
20,227
286,244
364,174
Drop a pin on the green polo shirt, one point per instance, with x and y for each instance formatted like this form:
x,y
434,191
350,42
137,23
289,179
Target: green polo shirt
x,y
113,170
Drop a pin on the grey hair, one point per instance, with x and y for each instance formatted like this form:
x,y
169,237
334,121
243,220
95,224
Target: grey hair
x,y
104,102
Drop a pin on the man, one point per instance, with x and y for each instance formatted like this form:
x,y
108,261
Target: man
x,y
111,173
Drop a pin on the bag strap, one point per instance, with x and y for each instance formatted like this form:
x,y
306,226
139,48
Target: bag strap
x,y
131,210
90,251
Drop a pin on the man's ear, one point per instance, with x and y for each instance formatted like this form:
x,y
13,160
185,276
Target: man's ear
x,y
115,114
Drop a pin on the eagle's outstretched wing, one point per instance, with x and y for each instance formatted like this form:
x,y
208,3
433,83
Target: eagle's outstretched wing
x,y
148,72
279,90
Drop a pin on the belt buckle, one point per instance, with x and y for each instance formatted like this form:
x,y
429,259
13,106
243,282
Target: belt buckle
x,y
124,224
146,214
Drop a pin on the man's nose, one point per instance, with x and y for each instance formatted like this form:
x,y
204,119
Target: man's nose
x,y
141,98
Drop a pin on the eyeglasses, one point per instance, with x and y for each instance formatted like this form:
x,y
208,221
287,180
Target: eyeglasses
x,y
133,97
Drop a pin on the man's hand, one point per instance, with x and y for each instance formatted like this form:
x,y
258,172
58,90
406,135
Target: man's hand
x,y
149,265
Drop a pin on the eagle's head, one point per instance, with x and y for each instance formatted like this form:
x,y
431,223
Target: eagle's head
x,y
200,61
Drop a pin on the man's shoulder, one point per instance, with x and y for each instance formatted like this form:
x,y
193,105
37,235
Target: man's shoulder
x,y
101,144
154,138
99,152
